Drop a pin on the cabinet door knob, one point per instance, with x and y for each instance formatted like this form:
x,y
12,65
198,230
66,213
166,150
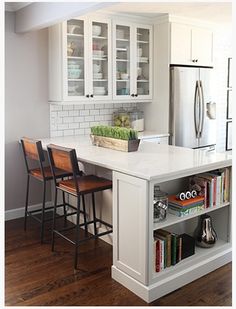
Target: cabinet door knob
x,y
87,95
91,95
196,60
132,95
136,95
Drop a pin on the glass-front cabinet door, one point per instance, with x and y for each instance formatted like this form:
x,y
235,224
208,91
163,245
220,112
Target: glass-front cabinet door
x,y
101,69
87,69
122,54
132,61
75,58
143,79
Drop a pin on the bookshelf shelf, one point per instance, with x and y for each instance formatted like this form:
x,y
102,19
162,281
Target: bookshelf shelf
x,y
172,219
200,256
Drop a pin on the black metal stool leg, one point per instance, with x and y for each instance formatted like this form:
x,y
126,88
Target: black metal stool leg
x,y
26,202
43,212
77,233
54,219
64,207
85,219
94,215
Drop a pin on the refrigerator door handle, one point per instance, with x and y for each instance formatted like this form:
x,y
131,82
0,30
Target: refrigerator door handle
x,y
202,109
196,109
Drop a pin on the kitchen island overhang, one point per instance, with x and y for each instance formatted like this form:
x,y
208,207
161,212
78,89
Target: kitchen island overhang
x,y
134,176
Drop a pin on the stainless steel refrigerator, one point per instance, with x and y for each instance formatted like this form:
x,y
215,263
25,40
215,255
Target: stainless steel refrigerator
x,y
192,110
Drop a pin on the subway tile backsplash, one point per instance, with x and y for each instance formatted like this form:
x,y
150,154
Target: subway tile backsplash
x,y
77,119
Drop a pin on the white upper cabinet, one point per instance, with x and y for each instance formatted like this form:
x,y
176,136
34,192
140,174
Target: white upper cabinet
x,y
89,60
191,45
132,59
80,61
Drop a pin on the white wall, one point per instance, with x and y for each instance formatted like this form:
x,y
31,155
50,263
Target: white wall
x,y
222,51
26,106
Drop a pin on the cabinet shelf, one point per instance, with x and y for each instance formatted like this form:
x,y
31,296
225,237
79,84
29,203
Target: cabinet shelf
x,y
99,37
142,80
75,80
75,57
100,59
122,60
121,49
100,80
75,35
201,255
172,219
122,40
142,42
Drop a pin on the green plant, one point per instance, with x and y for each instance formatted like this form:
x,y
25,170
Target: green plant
x,y
115,132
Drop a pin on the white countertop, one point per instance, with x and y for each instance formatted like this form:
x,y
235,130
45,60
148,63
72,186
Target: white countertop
x,y
151,162
151,134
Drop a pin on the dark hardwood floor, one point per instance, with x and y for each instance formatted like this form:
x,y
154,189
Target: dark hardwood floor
x,y
34,276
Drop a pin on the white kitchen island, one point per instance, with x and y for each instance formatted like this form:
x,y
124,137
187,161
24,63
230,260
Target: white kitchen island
x,y
134,176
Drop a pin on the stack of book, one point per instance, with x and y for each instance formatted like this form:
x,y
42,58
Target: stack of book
x,y
170,248
186,207
213,186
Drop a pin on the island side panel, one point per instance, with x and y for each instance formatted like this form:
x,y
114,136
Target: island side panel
x,y
130,226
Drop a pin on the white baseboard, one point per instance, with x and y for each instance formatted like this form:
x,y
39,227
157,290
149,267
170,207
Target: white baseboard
x,y
20,212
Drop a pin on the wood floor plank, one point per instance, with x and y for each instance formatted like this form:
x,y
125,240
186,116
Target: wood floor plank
x,y
35,276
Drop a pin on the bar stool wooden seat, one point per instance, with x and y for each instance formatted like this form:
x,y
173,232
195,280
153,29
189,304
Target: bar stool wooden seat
x,y
34,155
78,186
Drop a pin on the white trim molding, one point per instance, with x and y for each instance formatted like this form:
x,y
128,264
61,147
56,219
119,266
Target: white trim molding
x,y
20,212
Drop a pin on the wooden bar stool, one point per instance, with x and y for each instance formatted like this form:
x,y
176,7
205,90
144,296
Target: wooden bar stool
x,y
34,155
78,186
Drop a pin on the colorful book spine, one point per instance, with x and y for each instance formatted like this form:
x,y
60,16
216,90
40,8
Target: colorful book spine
x,y
163,238
158,255
179,247
167,235
186,212
173,248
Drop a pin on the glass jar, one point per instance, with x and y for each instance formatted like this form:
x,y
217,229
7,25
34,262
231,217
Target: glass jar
x,y
121,118
137,119
160,205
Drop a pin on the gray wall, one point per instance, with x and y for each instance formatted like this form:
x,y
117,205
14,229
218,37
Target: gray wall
x,y
26,106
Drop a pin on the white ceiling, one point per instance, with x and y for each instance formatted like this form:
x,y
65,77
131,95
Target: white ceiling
x,y
15,6
217,12
208,11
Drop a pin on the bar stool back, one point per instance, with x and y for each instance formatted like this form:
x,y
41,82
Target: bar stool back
x,y
34,155
78,186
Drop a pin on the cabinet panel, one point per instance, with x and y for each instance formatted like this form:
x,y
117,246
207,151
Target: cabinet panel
x,y
202,46
130,217
180,44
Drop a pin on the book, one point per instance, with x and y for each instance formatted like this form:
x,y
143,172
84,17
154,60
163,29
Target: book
x,y
211,187
218,187
179,248
163,238
167,235
173,248
181,208
200,185
158,256
174,200
227,185
186,212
